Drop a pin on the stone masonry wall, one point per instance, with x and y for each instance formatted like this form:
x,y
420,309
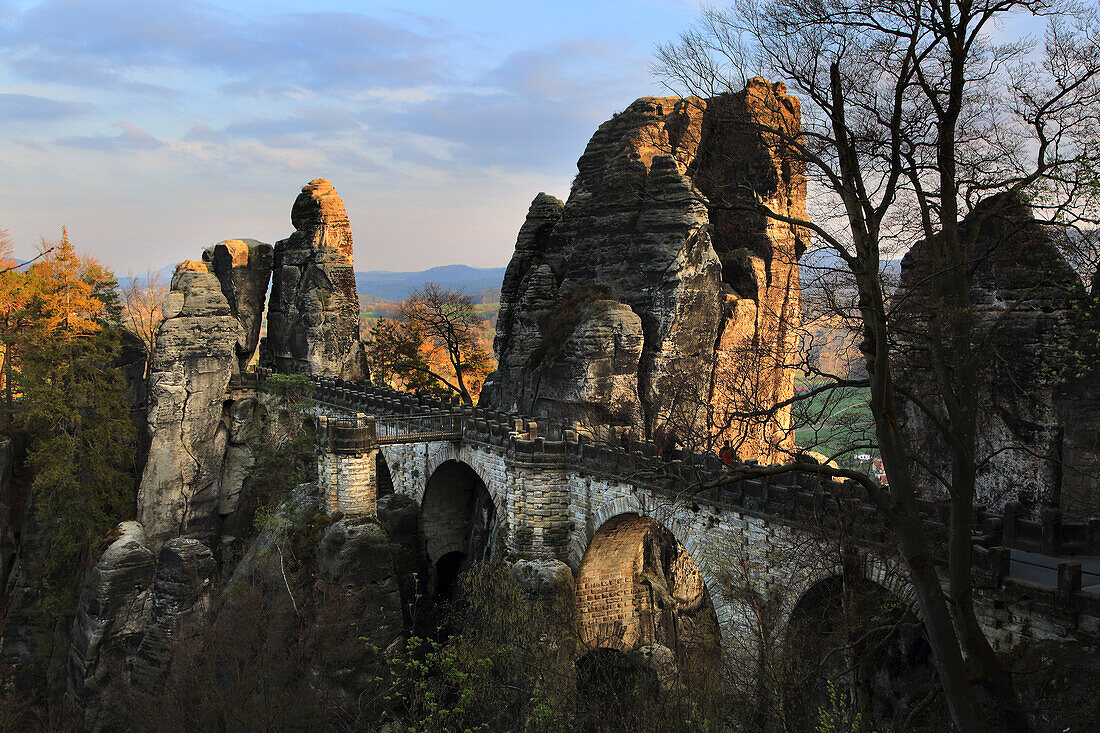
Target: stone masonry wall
x,y
552,504
608,608
347,482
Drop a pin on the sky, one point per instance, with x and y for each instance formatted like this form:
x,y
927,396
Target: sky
x,y
154,128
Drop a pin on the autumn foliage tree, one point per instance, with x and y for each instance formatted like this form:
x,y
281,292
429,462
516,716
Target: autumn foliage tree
x,y
62,326
436,343
141,300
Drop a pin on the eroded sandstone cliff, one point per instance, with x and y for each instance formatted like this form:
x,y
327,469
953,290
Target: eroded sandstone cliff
x,y
1036,432
313,315
243,267
652,298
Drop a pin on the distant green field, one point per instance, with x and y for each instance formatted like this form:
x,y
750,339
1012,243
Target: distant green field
x,y
835,423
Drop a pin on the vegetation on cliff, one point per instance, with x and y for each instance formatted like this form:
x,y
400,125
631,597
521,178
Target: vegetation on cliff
x,y
66,403
437,343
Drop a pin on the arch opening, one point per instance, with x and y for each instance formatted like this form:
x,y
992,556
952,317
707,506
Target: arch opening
x,y
382,476
854,648
458,523
638,587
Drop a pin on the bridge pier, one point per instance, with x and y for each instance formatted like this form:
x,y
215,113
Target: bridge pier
x,y
348,482
347,465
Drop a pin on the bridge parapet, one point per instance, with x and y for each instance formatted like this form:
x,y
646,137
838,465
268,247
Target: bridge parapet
x,y
792,496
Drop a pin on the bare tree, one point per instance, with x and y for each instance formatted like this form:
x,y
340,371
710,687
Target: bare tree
x,y
436,342
141,301
912,114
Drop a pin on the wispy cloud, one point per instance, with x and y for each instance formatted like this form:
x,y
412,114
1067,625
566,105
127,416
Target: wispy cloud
x,y
30,108
130,137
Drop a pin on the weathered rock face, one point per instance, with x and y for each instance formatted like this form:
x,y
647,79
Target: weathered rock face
x,y
1037,441
132,602
243,267
194,359
181,587
634,303
112,615
313,316
247,418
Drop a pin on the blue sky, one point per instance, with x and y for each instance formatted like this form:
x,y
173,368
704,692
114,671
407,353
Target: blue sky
x,y
153,128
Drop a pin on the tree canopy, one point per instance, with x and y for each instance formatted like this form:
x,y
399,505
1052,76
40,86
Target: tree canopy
x,y
913,114
437,343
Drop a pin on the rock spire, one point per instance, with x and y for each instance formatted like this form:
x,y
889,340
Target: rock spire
x,y
313,315
636,302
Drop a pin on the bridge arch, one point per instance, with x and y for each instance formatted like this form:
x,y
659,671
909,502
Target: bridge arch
x,y
459,522
637,586
859,624
688,537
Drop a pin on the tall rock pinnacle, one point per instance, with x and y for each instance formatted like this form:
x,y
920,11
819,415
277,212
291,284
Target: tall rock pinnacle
x,y
313,314
648,299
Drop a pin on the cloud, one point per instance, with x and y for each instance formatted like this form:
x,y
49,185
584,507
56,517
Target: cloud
x,y
536,109
130,138
29,108
201,133
128,43
308,124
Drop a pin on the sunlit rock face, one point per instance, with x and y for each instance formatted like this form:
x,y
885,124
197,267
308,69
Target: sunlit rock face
x,y
1037,434
193,361
313,315
635,302
243,267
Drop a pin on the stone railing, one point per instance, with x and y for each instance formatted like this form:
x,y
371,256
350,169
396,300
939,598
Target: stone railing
x,y
794,495
1049,534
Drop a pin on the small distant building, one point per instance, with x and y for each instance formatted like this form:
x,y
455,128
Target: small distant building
x,y
879,471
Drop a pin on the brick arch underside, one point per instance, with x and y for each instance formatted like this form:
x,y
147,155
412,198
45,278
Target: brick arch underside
x,y
637,585
457,513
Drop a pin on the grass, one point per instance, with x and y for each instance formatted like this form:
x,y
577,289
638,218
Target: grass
x,y
835,423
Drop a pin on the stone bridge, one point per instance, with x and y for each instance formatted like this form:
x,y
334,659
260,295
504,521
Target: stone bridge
x,y
638,535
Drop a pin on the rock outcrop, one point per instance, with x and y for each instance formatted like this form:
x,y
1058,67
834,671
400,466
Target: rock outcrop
x,y
132,602
1036,439
243,267
313,315
646,300
193,361
112,615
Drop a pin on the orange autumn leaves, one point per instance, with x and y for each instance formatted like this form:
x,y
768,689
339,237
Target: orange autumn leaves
x,y
437,343
58,294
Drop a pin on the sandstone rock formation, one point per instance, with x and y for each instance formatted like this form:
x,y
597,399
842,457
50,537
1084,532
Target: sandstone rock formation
x,y
243,267
1037,439
313,315
112,615
193,361
132,602
645,300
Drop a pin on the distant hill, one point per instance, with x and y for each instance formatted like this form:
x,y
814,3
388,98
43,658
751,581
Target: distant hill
x,y
396,286
479,282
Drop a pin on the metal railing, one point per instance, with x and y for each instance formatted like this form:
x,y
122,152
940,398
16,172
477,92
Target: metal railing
x,y
419,428
361,433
